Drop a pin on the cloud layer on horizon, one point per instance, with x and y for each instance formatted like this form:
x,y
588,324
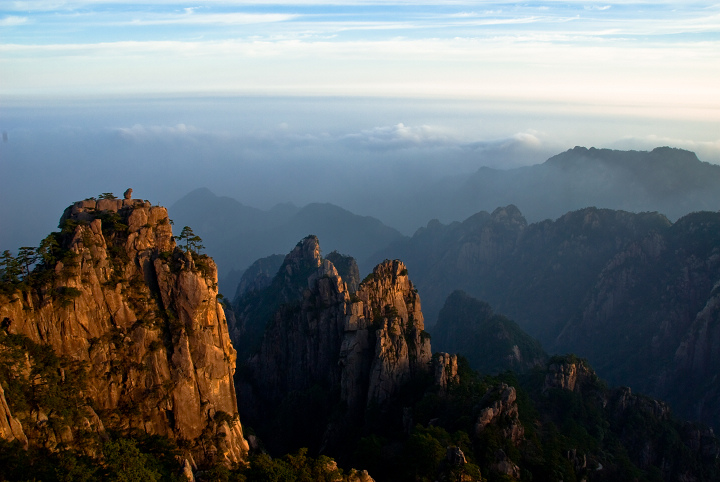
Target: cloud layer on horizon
x,y
617,56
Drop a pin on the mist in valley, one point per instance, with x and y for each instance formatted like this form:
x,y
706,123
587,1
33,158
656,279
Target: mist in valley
x,y
397,160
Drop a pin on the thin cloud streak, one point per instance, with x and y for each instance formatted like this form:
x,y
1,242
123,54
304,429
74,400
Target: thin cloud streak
x,y
213,19
13,21
679,75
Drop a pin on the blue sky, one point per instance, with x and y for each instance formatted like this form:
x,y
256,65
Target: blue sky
x,y
167,96
628,53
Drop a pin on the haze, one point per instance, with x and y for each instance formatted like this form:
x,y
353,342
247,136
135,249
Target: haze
x,y
300,102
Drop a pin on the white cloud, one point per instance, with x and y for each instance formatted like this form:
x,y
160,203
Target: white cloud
x,y
192,18
12,21
139,132
400,136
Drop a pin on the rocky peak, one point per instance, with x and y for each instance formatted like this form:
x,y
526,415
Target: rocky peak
x,y
568,373
303,262
116,296
391,310
305,253
509,215
388,284
362,347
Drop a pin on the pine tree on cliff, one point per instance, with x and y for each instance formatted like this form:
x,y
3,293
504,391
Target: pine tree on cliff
x,y
192,241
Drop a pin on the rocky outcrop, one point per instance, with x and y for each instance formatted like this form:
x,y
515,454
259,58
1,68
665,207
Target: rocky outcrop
x,y
389,305
347,268
568,373
115,295
500,408
644,426
312,335
10,427
301,342
505,466
446,370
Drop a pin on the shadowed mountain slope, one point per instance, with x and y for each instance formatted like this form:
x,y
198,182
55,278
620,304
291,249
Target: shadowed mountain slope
x,y
491,342
634,293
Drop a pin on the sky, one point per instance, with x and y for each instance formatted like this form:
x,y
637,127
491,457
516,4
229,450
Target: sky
x,y
304,101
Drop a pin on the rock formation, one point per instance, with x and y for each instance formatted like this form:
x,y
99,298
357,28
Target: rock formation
x,y
356,349
446,370
568,373
500,408
259,275
138,318
10,427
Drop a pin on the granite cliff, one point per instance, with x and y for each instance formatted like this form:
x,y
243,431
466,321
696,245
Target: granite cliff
x,y
118,329
309,344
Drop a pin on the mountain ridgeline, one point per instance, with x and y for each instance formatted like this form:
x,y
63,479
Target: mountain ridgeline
x,y
671,181
634,293
236,235
351,374
120,360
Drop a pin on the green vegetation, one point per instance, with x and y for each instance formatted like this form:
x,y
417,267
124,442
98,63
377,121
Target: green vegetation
x,y
144,458
32,267
132,458
65,295
52,384
193,242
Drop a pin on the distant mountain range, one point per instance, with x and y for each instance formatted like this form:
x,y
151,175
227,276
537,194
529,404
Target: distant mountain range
x,y
634,293
236,235
671,181
632,290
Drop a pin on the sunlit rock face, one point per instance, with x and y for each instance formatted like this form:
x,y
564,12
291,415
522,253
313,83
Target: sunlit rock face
x,y
118,296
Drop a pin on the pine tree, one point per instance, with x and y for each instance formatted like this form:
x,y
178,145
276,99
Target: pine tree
x,y
193,243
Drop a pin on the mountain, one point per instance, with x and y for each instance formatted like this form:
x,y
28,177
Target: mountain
x,y
634,293
491,342
117,331
350,374
236,235
307,344
117,363
671,181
